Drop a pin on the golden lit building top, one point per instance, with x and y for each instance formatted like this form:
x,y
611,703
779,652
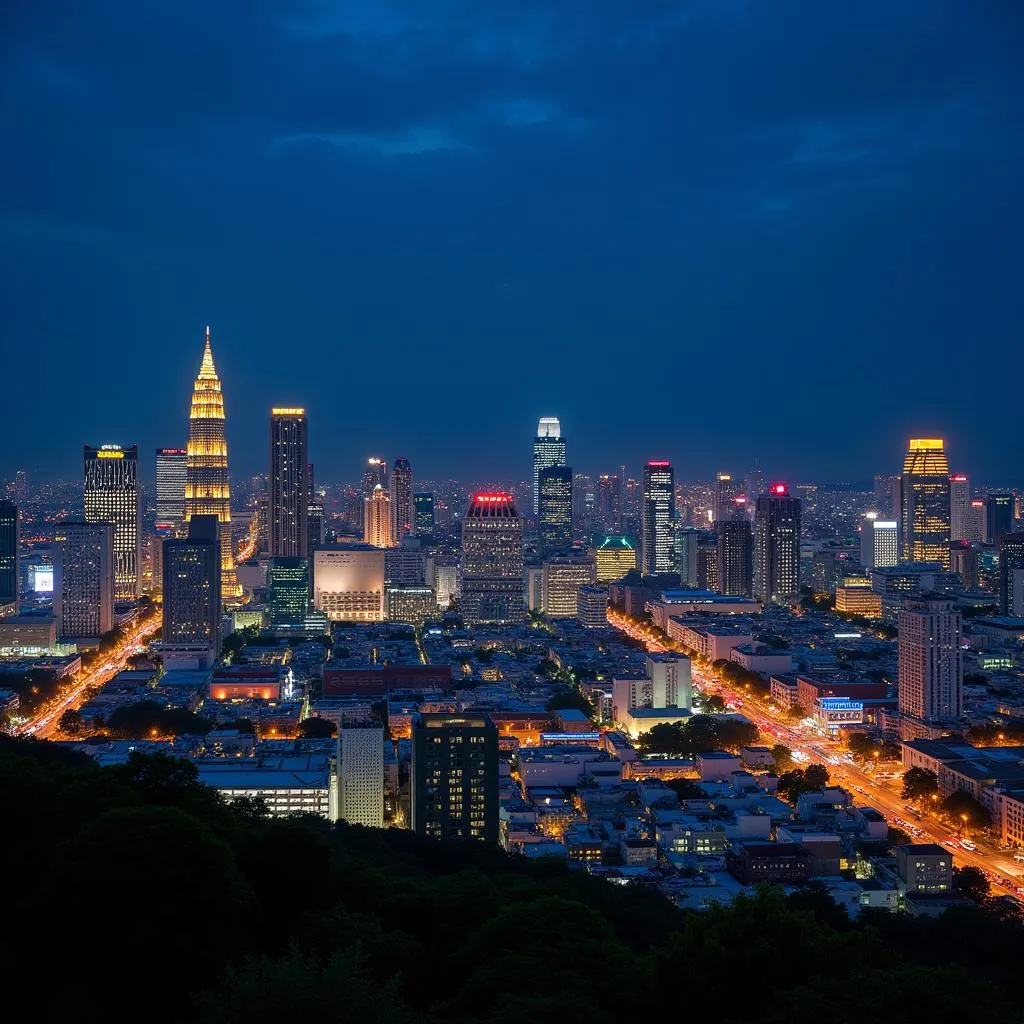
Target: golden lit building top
x,y
287,411
926,456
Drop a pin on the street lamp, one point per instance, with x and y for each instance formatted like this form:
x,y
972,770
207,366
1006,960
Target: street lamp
x,y
963,822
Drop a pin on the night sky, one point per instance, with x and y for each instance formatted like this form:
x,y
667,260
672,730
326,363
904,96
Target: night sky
x,y
711,231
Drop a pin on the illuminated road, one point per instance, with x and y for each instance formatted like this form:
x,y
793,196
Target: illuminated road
x,y
1003,874
47,719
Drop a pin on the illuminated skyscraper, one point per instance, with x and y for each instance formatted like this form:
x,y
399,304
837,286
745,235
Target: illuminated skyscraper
x,y
361,774
924,500
609,503
191,589
959,506
614,556
423,515
554,517
171,470
726,491
657,550
548,450
377,519
376,473
1011,574
735,550
492,561
879,542
288,505
401,500
112,496
10,538
207,491
931,669
83,579
288,590
777,547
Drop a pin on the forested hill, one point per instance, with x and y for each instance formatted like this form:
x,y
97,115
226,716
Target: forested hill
x,y
135,893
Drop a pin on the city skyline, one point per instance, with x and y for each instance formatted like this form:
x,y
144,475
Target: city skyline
x,y
796,217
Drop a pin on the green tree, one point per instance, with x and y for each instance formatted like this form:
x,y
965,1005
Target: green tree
x,y
316,728
816,776
664,738
919,784
971,882
71,723
568,699
965,811
783,758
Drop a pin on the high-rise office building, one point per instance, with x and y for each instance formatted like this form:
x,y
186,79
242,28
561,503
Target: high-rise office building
x,y
931,671
492,560
171,470
609,503
735,550
377,518
207,490
998,516
83,579
288,590
361,774
314,526
111,481
554,516
686,540
727,490
10,542
376,473
959,506
614,556
548,450
974,531
887,496
924,502
423,515
401,500
777,546
561,579
288,484
657,552
879,542
1011,574
455,777
192,589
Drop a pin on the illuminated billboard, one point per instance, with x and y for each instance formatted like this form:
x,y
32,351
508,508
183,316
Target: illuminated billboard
x,y
42,578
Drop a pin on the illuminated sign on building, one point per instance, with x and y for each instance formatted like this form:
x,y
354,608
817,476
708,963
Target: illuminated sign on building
x,y
570,737
110,453
42,579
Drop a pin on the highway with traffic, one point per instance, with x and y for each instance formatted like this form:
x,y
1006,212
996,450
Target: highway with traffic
x,y
1004,875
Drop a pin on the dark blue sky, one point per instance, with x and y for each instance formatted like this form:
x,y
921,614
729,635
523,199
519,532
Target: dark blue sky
x,y
711,230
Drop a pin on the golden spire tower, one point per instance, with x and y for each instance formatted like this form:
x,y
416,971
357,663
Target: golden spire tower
x,y
207,491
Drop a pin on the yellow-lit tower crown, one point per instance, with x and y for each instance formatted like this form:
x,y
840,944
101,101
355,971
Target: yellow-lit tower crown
x,y
207,491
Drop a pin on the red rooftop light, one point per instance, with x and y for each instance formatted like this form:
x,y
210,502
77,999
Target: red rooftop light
x,y
780,489
659,463
959,478
492,497
740,499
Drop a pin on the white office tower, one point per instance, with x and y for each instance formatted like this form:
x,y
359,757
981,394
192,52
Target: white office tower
x,y
672,684
548,450
361,774
931,669
879,542
959,506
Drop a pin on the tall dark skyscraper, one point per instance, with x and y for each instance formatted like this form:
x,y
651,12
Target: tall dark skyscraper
x,y
548,450
998,516
1011,574
554,517
726,491
192,589
83,579
735,551
207,489
10,538
777,547
657,549
376,473
924,502
423,515
455,777
111,481
609,503
492,561
288,505
401,500
171,470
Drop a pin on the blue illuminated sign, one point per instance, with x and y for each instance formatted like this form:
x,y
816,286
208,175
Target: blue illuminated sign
x,y
570,737
840,704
